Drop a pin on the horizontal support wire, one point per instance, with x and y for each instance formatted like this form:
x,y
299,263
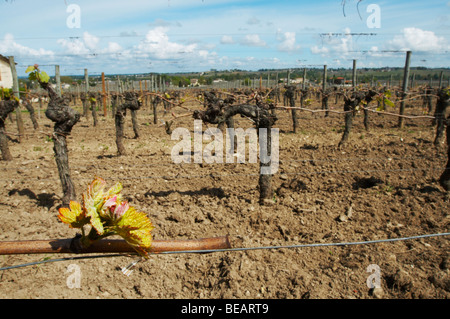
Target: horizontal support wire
x,y
312,245
351,111
61,259
378,241
211,175
305,160
286,173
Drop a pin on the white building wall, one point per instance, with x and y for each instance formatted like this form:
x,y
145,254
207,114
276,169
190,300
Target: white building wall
x,y
6,80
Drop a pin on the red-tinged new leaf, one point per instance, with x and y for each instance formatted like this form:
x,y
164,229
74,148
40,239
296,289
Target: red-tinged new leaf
x,y
73,216
135,227
91,211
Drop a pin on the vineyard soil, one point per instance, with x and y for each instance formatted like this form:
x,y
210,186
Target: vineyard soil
x,y
382,184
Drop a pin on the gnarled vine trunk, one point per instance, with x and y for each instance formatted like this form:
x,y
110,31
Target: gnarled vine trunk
x,y
131,102
83,99
135,123
444,180
30,109
220,112
155,101
325,97
427,99
350,104
6,107
290,96
303,96
64,117
93,102
114,103
119,121
441,106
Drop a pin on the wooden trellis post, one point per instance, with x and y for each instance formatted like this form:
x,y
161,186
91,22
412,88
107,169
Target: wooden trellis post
x,y
86,86
104,94
441,78
354,75
86,80
16,93
108,97
444,180
324,93
401,120
40,103
58,81
304,79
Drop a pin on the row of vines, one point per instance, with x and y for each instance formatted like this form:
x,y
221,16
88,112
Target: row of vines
x,y
262,106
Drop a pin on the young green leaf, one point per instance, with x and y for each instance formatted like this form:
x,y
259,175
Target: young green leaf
x,y
389,102
32,76
30,68
43,77
380,108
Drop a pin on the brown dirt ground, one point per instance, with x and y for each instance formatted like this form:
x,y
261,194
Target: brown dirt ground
x,y
388,176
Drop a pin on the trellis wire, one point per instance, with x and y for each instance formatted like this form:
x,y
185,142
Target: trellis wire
x,y
377,241
313,111
411,117
306,160
61,259
211,175
286,173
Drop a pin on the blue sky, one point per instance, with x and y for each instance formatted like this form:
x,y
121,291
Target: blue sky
x,y
198,35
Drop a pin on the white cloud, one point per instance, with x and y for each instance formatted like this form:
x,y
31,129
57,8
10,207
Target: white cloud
x,y
90,41
319,50
158,47
227,39
73,46
287,42
253,40
155,49
129,34
157,44
375,52
114,47
253,21
89,44
344,44
416,39
10,47
203,53
341,44
164,23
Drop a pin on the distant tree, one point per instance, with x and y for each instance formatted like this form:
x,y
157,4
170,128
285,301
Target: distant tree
x,y
66,79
